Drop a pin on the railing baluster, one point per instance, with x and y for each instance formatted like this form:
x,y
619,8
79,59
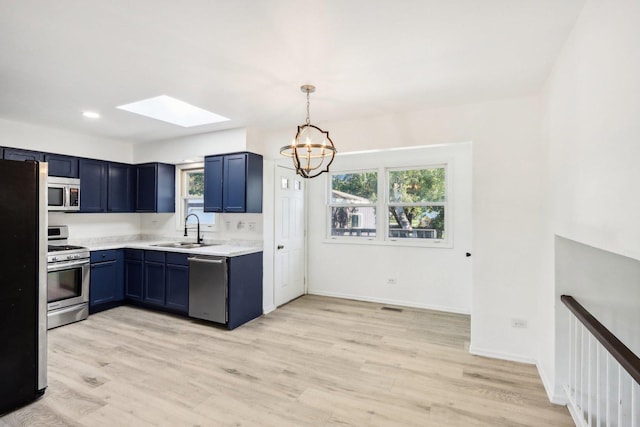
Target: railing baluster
x,y
619,396
589,380
582,370
576,367
597,385
572,344
634,404
608,390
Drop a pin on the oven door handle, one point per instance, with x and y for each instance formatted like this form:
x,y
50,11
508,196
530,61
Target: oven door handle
x,y
65,265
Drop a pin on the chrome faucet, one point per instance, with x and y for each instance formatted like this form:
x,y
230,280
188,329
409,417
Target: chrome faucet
x,y
198,238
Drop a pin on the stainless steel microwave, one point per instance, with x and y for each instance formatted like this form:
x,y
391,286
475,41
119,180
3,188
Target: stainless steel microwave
x,y
63,194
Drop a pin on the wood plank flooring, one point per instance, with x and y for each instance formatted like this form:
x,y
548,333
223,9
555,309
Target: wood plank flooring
x,y
315,362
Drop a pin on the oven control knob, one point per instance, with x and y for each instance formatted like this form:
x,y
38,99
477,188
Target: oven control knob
x,y
54,258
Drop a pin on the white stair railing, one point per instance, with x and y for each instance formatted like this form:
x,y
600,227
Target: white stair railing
x,y
604,375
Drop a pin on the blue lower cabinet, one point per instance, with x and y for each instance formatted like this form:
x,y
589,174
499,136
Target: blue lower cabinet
x,y
154,283
177,282
106,282
133,274
244,289
177,285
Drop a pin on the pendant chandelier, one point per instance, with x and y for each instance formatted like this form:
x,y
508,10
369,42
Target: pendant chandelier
x,y
312,150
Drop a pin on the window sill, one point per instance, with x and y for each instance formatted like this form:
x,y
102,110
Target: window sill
x,y
439,244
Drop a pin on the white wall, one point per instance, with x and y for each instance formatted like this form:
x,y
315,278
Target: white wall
x,y
51,140
508,163
592,129
193,147
435,278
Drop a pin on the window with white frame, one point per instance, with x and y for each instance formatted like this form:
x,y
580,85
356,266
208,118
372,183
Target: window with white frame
x,y
414,202
192,196
417,203
352,203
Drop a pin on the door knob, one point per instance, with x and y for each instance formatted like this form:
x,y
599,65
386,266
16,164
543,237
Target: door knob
x,y
280,247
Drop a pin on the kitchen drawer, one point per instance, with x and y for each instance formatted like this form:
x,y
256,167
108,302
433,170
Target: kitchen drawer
x,y
177,258
106,255
154,256
137,254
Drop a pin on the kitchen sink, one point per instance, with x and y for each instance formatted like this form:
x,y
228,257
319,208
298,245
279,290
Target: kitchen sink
x,y
185,245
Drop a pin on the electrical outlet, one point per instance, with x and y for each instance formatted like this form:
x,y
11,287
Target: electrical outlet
x,y
227,225
519,323
391,281
252,226
240,225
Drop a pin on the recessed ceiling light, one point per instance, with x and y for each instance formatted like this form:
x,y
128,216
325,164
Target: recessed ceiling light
x,y
91,114
171,110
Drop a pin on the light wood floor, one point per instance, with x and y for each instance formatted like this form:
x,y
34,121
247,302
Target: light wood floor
x,y
314,362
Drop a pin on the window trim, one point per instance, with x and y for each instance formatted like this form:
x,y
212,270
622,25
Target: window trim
x,y
382,208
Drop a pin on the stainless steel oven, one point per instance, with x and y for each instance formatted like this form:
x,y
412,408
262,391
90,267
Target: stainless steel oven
x,y
68,275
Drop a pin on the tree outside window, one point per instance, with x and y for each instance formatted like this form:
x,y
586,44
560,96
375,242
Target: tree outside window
x,y
417,203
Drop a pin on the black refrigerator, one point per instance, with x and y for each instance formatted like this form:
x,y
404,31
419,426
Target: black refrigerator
x,y
23,282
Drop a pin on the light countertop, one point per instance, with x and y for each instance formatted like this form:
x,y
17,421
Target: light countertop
x,y
228,249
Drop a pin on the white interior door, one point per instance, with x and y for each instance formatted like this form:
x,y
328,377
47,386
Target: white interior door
x,y
290,256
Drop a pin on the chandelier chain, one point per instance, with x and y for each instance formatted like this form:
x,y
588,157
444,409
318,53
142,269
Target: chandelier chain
x,y
308,103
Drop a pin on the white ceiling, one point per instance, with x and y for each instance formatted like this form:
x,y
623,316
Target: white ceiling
x,y
246,59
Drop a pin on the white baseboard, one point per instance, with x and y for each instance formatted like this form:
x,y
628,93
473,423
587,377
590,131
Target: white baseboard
x,y
267,310
500,355
554,397
456,310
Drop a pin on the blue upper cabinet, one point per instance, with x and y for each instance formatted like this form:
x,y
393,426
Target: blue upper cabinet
x,y
155,187
213,183
93,185
59,165
120,194
233,183
64,166
106,186
21,155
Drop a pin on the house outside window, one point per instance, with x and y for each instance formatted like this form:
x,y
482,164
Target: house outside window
x,y
353,203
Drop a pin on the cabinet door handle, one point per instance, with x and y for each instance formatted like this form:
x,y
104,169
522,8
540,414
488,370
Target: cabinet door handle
x,y
280,247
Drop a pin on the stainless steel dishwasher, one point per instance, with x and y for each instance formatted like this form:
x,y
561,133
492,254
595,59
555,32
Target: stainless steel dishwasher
x,y
208,288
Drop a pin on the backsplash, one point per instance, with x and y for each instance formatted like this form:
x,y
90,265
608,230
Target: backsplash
x,y
83,225
124,226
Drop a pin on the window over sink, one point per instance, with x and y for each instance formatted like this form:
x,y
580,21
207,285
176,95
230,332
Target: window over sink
x,y
191,183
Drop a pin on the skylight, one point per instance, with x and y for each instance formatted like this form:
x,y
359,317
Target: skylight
x,y
174,111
